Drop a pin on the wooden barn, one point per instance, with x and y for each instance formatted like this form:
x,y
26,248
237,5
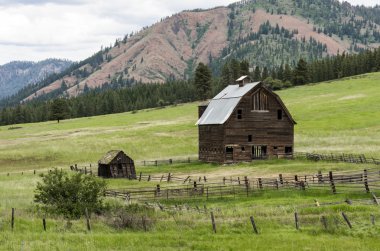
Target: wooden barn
x,y
116,164
245,121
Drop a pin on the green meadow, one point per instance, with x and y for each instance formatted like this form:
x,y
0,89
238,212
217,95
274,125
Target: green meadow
x,y
332,117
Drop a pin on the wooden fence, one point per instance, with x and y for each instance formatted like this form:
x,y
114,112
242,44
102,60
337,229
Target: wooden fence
x,y
202,187
341,157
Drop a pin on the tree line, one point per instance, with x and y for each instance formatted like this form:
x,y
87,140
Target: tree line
x,y
116,99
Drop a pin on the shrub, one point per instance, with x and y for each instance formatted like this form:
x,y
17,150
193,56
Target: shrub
x,y
134,217
69,195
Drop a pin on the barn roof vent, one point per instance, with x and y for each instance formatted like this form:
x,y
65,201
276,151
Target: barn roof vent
x,y
243,80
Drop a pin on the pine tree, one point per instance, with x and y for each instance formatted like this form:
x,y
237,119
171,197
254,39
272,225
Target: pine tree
x,y
301,73
288,76
202,81
244,68
257,74
226,75
58,109
265,73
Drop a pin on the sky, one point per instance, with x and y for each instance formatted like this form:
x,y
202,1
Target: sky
x,y
75,29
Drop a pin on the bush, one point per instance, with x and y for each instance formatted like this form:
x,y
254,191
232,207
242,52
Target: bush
x,y
69,195
133,217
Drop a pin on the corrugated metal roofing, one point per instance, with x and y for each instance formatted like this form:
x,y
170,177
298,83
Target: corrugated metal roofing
x,y
223,104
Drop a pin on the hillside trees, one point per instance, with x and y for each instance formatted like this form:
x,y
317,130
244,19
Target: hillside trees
x,y
202,81
124,96
301,73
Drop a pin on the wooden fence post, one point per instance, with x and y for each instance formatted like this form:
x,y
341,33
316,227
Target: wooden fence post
x,y
224,180
13,219
346,219
158,190
281,180
296,220
260,183
332,182
320,177
34,172
207,193
254,225
213,222
140,176
88,220
169,177
365,176
44,223
149,177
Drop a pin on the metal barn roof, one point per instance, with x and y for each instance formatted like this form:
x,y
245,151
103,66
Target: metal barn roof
x,y
223,104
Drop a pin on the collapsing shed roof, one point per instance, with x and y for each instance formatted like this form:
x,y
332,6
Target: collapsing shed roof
x,y
223,104
108,157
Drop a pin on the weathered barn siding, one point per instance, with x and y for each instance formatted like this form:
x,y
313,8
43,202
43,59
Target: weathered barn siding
x,y
263,126
211,143
116,164
248,133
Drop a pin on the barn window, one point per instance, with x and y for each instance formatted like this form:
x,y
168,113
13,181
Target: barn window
x,y
249,138
279,114
229,149
260,101
243,149
288,150
239,114
275,148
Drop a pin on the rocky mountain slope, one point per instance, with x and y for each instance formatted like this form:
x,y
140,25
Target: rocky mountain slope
x,y
18,74
266,33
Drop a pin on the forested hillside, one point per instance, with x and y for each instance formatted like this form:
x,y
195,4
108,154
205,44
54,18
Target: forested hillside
x,y
265,33
119,97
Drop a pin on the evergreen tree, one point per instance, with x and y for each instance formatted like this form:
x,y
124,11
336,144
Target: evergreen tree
x,y
301,73
288,76
226,75
202,81
257,74
58,109
265,73
235,68
244,68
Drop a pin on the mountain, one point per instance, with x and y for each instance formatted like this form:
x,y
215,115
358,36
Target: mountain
x,y
18,74
266,33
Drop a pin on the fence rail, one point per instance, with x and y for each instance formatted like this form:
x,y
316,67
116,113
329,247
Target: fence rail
x,y
341,157
336,182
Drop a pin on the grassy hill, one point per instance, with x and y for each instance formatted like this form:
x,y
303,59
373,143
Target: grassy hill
x,y
338,116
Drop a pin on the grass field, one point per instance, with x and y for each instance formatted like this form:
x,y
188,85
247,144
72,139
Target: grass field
x,y
338,116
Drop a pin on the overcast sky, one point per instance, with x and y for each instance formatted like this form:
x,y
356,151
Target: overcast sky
x,y
76,29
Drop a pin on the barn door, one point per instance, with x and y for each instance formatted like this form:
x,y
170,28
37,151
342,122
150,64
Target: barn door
x,y
259,152
229,153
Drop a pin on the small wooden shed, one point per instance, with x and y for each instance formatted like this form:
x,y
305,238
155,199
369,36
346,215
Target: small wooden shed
x,y
116,164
